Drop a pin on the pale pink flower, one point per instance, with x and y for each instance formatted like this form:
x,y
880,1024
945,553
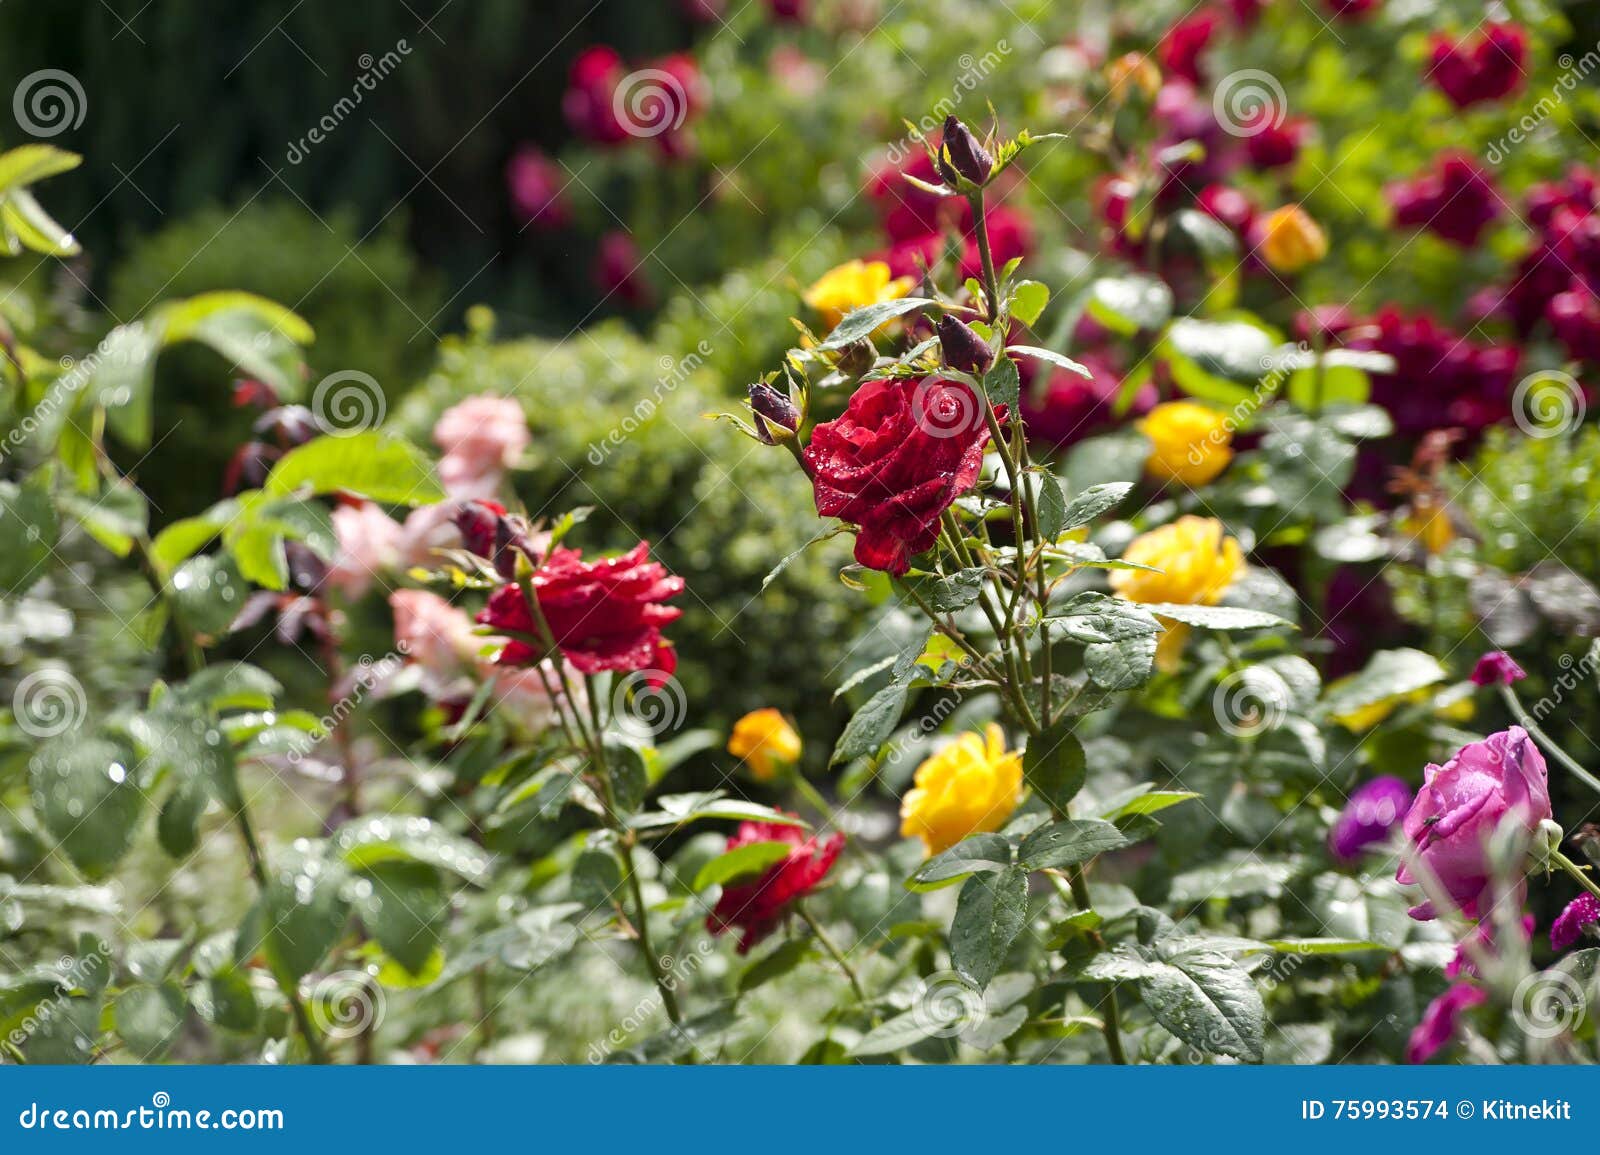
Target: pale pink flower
x,y
369,545
481,438
435,636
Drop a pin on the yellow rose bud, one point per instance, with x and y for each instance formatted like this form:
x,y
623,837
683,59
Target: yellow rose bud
x,y
1291,240
1189,442
1429,524
1198,562
765,741
969,787
853,285
1133,72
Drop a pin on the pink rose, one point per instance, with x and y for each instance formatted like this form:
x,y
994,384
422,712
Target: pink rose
x,y
1439,1021
481,438
369,545
435,636
522,696
1461,804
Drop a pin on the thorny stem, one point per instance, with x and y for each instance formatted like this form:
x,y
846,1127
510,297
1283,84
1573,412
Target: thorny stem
x,y
833,950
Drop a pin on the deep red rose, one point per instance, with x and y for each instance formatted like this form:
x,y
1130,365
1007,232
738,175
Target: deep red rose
x,y
1457,200
757,907
588,102
787,11
603,615
1485,67
1351,9
900,454
1181,47
1274,145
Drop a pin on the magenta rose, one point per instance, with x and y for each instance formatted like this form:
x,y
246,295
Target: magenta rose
x,y
1439,1022
1502,779
894,461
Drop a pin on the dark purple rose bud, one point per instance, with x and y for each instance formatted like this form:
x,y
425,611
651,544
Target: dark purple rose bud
x,y
776,416
1497,668
962,152
963,348
1373,810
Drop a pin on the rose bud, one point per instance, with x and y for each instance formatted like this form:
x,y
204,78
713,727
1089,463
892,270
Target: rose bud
x,y
249,466
1497,668
857,358
963,348
962,152
773,408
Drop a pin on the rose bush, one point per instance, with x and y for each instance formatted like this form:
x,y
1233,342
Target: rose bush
x,y
1142,579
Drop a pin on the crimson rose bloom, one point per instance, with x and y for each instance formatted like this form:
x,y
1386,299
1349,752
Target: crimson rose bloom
x,y
896,459
757,907
604,615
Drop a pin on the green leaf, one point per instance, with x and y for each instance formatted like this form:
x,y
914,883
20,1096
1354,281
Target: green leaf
x,y
29,527
1121,665
208,593
31,163
85,793
258,337
377,466
227,1000
863,322
186,537
1003,384
121,377
1052,506
1217,360
750,859
680,809
775,964
116,518
979,854
896,1034
1068,843
991,911
1054,766
26,220
1208,1001
1050,357
1216,617
300,915
1131,303
1322,946
148,1019
1146,802
1389,674
947,595
404,906
1092,502
368,843
871,725
1028,301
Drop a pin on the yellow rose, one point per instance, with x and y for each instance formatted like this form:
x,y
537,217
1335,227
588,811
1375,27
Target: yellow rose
x,y
969,787
1291,240
1428,523
765,741
1198,562
1190,442
853,285
1134,70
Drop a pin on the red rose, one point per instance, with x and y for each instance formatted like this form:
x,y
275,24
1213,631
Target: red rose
x,y
756,907
1486,67
896,459
603,615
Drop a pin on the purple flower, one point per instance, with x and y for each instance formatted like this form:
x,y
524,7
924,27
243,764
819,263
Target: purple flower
x,y
1438,1025
1497,668
1568,927
1373,810
1480,943
1502,779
